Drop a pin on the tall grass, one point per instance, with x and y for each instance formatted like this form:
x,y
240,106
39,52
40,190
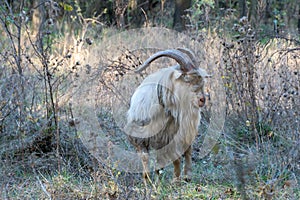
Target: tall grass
x,y
42,79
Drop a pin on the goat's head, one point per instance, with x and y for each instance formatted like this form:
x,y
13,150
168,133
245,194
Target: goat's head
x,y
188,68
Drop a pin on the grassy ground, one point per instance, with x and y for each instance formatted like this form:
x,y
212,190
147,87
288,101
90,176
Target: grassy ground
x,y
42,156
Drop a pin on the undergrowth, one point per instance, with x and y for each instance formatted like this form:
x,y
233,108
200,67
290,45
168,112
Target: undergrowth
x,y
42,152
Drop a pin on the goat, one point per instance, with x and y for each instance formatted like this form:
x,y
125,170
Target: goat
x,y
164,112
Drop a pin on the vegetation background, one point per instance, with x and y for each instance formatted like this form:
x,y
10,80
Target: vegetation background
x,y
47,46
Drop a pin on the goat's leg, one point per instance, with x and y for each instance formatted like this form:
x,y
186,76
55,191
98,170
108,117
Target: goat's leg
x,y
157,176
188,164
158,167
176,164
145,163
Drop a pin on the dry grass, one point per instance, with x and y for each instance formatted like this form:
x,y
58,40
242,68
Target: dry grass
x,y
256,156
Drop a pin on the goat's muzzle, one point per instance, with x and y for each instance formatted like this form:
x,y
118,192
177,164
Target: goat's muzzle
x,y
201,101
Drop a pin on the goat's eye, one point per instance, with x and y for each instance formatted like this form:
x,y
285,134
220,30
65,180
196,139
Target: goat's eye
x,y
187,78
196,88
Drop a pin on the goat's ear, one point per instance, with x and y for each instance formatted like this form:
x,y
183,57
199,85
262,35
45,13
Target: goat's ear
x,y
204,73
208,76
178,74
186,76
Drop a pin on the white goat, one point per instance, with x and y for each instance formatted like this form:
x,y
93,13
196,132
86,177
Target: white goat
x,y
164,112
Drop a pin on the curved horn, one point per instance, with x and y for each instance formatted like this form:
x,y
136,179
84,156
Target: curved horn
x,y
190,54
183,60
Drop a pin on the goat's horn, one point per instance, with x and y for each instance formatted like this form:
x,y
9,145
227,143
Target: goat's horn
x,y
183,60
190,54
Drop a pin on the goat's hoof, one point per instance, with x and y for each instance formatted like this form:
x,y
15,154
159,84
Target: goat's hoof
x,y
176,181
146,178
187,178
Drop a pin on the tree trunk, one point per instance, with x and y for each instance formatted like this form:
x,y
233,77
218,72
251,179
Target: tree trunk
x,y
120,9
267,15
36,18
253,13
180,9
242,8
298,26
